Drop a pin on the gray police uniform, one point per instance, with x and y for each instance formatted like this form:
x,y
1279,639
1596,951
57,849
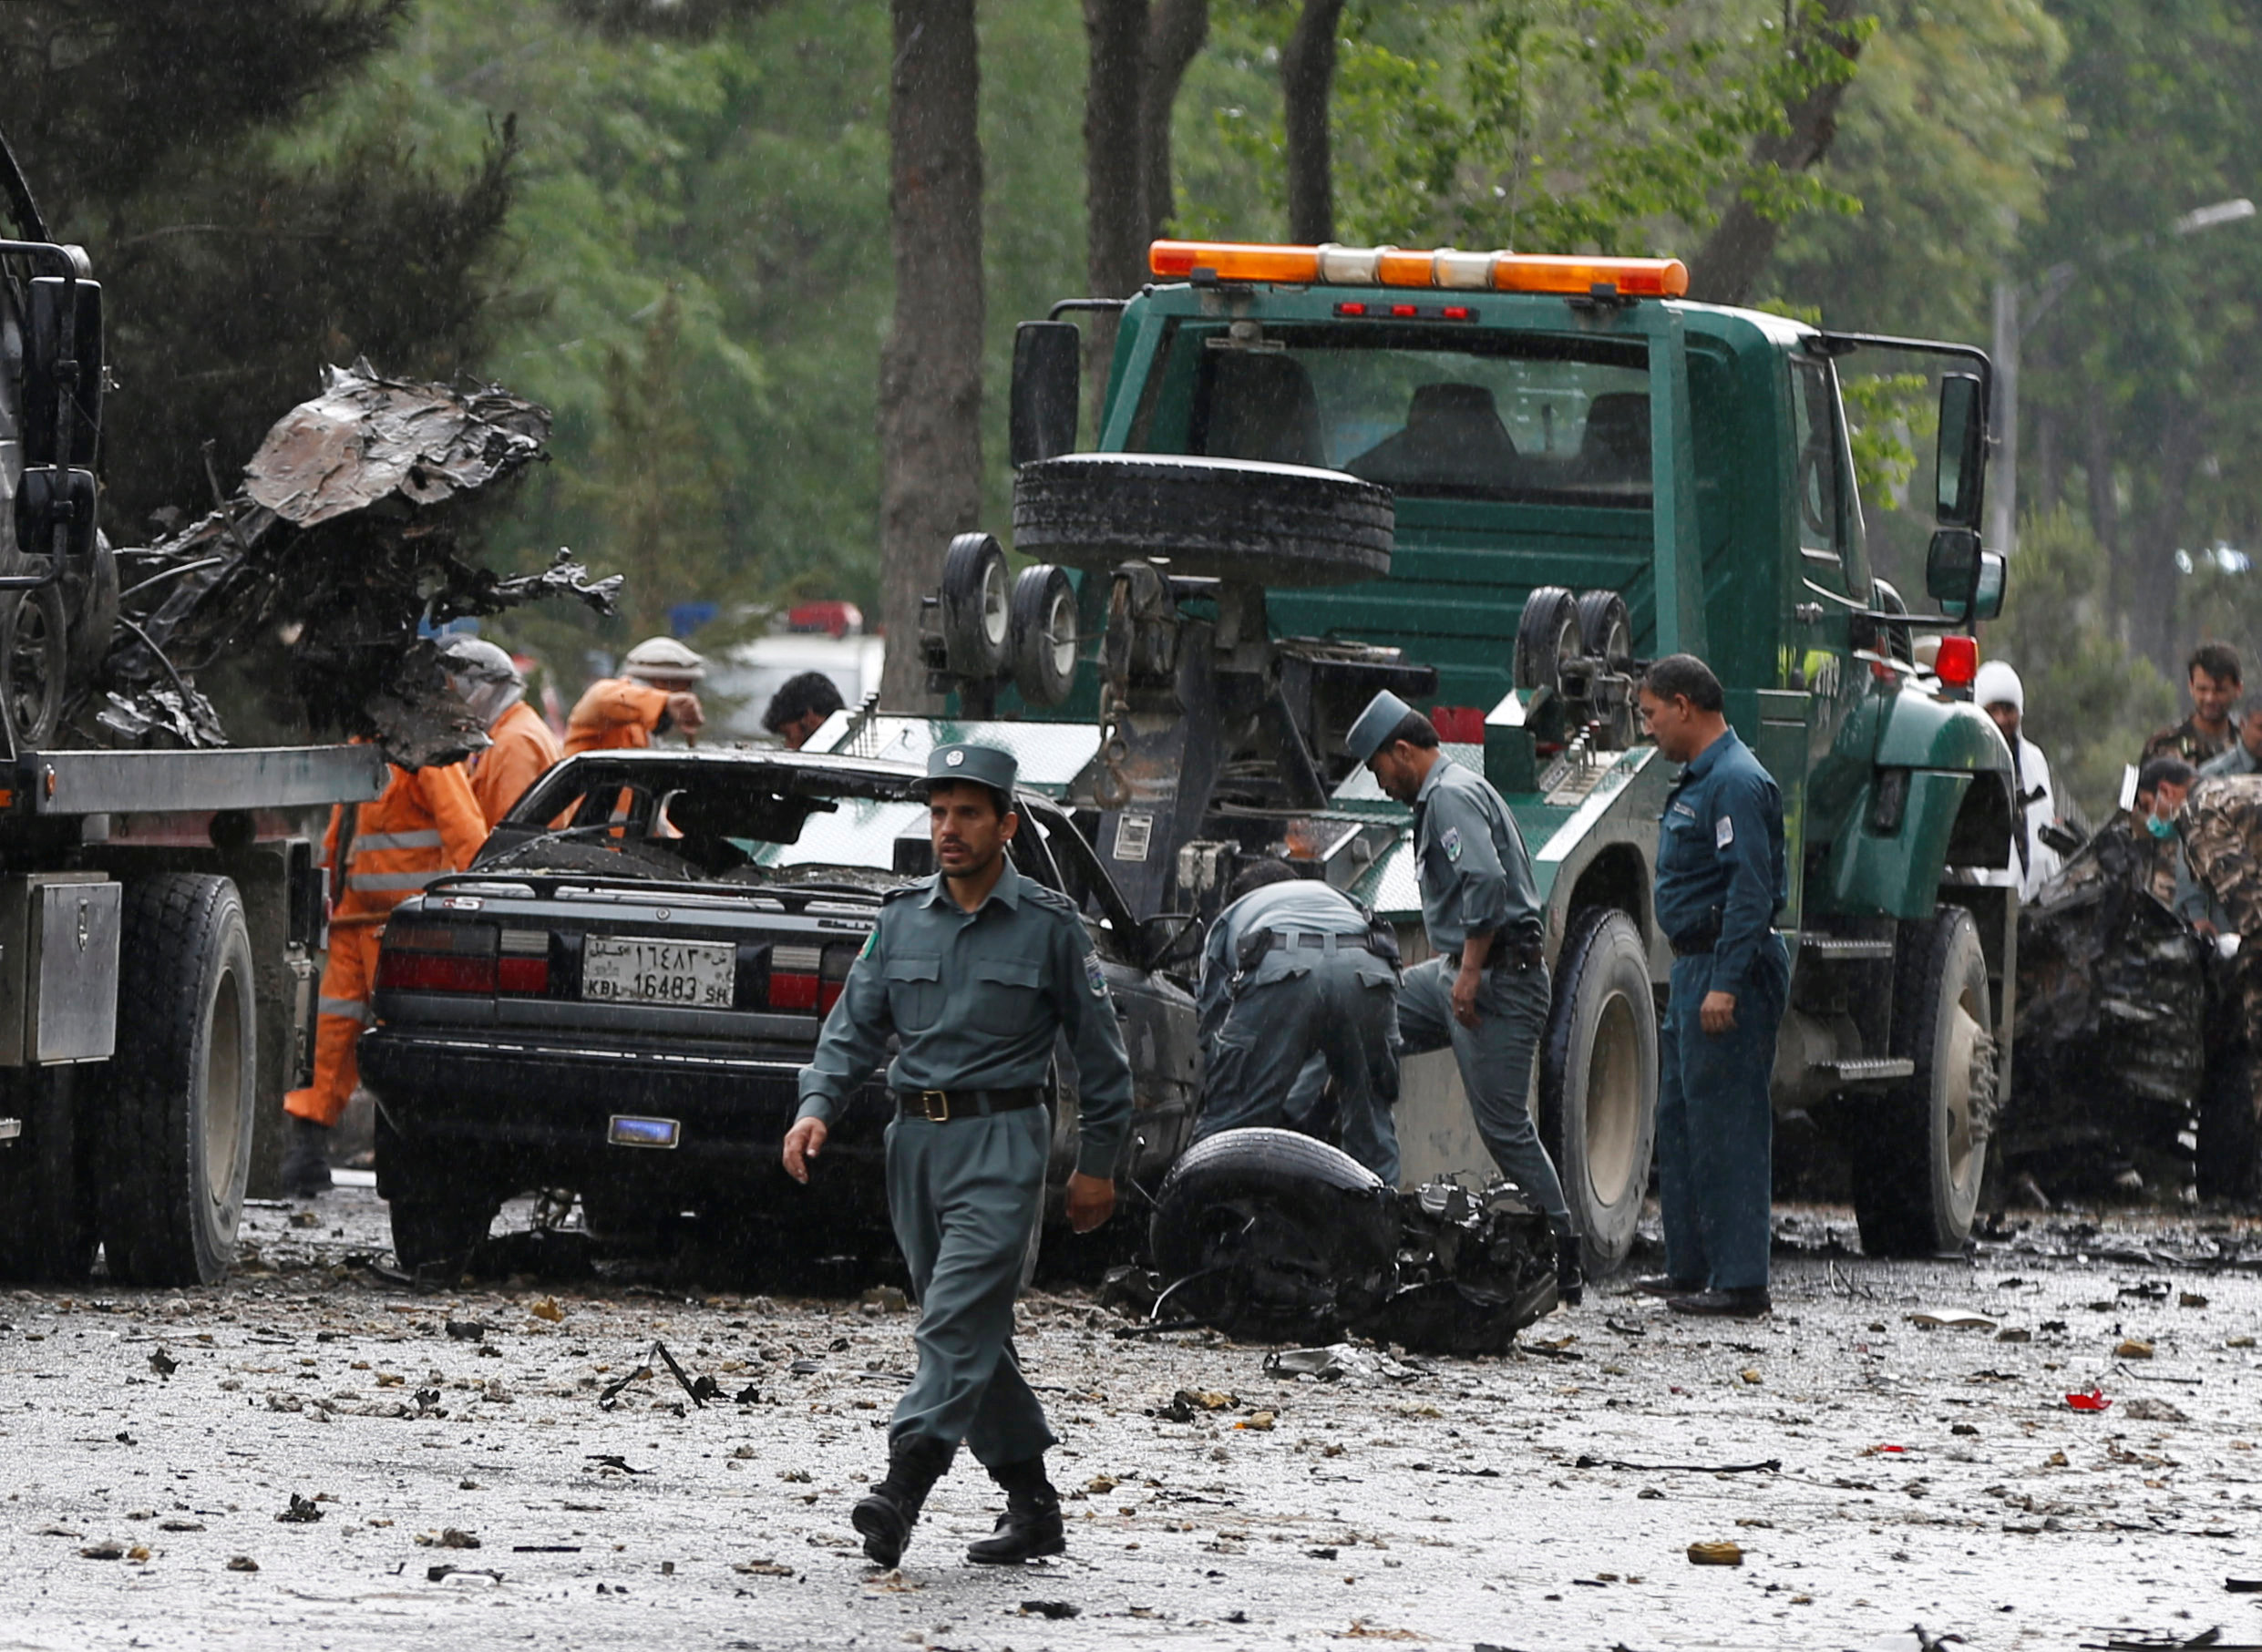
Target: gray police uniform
x,y
976,999
1288,975
1475,878
2236,759
1720,881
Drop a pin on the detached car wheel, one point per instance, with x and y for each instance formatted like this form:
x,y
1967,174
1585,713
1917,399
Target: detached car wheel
x,y
1275,525
1597,1081
180,1093
1919,1154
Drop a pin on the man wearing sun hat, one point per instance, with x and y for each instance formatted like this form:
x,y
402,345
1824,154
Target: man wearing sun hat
x,y
976,971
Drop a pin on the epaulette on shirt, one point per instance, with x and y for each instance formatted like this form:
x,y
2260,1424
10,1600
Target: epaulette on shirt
x,y
904,890
1031,890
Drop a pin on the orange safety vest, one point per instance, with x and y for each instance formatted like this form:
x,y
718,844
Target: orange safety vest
x,y
618,711
524,750
425,822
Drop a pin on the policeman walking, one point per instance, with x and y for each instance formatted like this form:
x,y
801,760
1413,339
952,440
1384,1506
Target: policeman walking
x,y
1485,993
974,970
1720,881
1291,971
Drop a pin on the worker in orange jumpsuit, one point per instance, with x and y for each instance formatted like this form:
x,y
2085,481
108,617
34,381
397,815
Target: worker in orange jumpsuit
x,y
425,822
652,695
521,749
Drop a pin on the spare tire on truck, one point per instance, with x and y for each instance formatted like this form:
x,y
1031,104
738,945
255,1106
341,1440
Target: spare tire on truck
x,y
1272,1235
178,1103
1275,525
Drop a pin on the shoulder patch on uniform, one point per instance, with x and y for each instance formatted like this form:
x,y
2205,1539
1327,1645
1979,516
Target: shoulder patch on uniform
x,y
1094,976
1450,841
904,889
870,942
1723,831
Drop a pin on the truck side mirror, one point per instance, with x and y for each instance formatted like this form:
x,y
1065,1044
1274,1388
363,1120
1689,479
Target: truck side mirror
x,y
1048,380
1965,581
62,371
1987,596
51,497
1961,471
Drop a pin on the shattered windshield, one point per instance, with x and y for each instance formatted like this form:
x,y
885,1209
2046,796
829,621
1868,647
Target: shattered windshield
x,y
1430,413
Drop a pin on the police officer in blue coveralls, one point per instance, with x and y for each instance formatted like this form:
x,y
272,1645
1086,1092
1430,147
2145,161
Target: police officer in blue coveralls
x,y
1486,993
1293,973
1720,882
975,970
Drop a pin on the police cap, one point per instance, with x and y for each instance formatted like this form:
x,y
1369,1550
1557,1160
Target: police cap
x,y
1376,725
985,764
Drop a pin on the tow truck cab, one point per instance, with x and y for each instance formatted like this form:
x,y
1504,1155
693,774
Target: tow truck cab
x,y
1559,433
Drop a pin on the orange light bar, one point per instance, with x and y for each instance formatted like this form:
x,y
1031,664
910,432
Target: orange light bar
x,y
1396,267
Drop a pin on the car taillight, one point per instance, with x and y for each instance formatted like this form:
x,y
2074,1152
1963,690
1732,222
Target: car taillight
x,y
796,978
437,958
833,977
523,966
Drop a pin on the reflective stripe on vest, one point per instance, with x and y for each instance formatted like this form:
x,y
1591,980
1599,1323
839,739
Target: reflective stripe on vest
x,y
345,1009
381,883
393,840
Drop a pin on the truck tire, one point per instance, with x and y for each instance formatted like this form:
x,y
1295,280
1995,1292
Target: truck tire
x,y
1597,1081
977,608
1045,634
441,1202
1605,630
1919,1154
1546,635
47,1198
1274,525
178,1115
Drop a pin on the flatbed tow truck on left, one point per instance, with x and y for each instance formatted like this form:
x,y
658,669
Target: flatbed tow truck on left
x,y
161,911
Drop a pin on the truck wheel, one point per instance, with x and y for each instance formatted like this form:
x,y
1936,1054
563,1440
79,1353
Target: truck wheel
x,y
977,602
1045,634
1546,635
441,1203
1275,525
46,1193
1605,630
1597,1081
177,1138
1919,1155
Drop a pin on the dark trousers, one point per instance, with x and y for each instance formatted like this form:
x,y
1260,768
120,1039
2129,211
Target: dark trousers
x,y
1715,1125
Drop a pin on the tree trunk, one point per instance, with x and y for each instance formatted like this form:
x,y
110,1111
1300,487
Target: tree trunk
x,y
931,371
2155,587
1736,254
1307,85
1114,174
1176,34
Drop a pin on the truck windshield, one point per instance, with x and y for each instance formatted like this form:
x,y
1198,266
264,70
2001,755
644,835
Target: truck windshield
x,y
1527,417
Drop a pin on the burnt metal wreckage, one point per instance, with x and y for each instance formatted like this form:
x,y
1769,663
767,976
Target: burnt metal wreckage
x,y
1272,1235
297,601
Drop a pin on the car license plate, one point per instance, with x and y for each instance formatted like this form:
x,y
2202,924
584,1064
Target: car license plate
x,y
624,969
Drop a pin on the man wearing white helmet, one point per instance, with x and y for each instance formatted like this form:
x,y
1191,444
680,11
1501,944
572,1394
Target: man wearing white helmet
x,y
522,748
652,695
2003,696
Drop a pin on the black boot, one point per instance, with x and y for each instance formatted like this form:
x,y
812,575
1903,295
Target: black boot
x,y
1030,1528
1570,1279
306,1159
884,1519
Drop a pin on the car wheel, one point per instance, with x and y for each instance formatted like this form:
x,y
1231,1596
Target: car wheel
x,y
1274,525
1597,1081
178,1098
1045,634
977,608
1919,1154
441,1202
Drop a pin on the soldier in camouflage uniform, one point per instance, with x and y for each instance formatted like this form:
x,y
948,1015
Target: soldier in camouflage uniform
x,y
2221,824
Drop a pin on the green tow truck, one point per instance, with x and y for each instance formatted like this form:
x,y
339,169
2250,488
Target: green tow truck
x,y
1498,484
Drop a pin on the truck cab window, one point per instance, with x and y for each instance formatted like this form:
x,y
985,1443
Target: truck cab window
x,y
1829,514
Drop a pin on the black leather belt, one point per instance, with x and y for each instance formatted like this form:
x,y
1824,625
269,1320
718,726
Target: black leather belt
x,y
1349,940
941,1106
1695,946
1518,955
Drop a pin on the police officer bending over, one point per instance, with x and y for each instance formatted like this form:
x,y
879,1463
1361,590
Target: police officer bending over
x,y
1486,993
1720,881
975,970
1293,970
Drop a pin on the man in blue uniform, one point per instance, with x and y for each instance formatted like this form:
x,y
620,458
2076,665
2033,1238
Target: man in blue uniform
x,y
1292,971
975,970
1720,882
1485,993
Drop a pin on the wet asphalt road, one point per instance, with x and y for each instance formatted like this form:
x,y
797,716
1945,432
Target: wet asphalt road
x,y
1445,1510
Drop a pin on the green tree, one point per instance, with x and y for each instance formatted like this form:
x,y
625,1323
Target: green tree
x,y
2089,700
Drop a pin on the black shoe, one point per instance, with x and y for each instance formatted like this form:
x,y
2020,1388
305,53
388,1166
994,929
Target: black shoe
x,y
885,1517
1028,1530
1665,1285
1570,1279
307,1160
1750,1302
